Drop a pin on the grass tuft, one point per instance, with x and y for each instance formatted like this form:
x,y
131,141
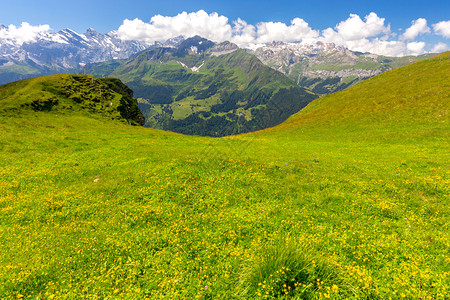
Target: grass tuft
x,y
292,268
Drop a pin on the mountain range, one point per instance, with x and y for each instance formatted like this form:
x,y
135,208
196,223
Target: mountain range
x,y
325,68
58,52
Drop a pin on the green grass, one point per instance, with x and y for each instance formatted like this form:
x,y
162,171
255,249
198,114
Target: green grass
x,y
185,107
323,206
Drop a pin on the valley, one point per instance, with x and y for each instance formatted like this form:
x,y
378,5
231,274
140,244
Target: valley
x,y
202,88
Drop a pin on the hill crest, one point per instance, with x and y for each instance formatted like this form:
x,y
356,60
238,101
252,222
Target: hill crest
x,y
72,94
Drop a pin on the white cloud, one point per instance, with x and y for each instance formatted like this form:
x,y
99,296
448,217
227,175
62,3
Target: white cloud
x,y
415,48
214,27
418,26
24,33
370,35
363,35
378,46
439,47
210,26
442,28
297,31
243,33
355,29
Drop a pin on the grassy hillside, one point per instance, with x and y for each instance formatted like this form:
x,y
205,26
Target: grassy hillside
x,y
390,106
321,207
207,93
71,94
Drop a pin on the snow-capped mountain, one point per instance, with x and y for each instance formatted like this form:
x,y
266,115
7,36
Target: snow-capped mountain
x,y
67,49
325,67
284,56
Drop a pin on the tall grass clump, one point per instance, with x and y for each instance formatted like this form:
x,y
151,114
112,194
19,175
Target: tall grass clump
x,y
292,269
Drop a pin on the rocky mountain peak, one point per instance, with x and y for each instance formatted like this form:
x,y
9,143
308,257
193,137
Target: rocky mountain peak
x,y
224,46
90,32
174,42
194,45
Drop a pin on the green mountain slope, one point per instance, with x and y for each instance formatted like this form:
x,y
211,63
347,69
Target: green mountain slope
x,y
207,89
323,206
68,94
410,99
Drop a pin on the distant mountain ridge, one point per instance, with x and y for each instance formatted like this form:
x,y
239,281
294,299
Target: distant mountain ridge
x,y
326,68
68,49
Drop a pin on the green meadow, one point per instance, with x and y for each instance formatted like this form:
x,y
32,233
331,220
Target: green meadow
x,y
348,199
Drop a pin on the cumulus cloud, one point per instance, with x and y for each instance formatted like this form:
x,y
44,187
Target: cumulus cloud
x,y
243,34
215,27
370,35
415,48
442,28
24,33
439,47
297,31
210,26
418,26
363,34
378,46
355,29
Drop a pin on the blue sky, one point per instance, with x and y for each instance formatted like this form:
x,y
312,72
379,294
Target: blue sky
x,y
109,15
106,15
